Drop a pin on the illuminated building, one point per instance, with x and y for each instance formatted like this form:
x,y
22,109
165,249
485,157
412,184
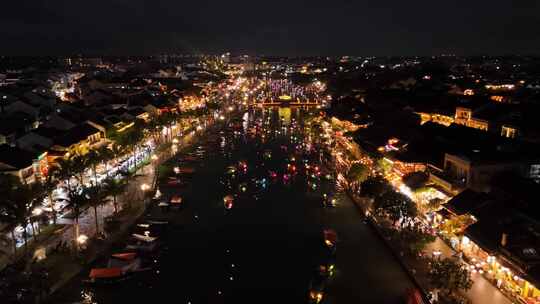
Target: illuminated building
x,y
78,140
464,116
500,87
509,131
441,119
472,170
497,98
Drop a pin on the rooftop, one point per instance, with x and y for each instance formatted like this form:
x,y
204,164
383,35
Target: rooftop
x,y
15,157
76,135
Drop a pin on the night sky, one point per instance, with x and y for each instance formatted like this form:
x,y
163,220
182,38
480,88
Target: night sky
x,y
278,27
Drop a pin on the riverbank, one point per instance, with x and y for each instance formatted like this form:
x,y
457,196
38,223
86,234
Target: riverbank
x,y
127,218
413,271
34,280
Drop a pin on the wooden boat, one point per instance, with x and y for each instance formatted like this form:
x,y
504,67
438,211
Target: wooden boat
x,y
330,237
176,200
119,267
142,243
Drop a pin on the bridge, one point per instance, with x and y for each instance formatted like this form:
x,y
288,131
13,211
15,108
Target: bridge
x,y
288,102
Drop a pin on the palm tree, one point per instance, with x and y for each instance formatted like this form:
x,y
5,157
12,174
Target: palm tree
x,y
19,204
105,154
117,151
92,159
77,201
131,138
7,214
115,188
154,127
49,184
96,198
356,174
79,165
65,170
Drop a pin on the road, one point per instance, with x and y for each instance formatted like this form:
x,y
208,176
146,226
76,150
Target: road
x,y
482,291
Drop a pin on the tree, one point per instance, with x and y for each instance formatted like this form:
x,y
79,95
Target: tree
x,y
49,184
79,164
114,188
65,170
18,206
384,165
415,238
374,186
357,173
130,138
92,159
117,150
154,126
96,198
395,206
9,214
105,154
449,276
415,180
77,201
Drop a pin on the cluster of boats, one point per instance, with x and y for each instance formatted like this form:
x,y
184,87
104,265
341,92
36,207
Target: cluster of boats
x,y
137,256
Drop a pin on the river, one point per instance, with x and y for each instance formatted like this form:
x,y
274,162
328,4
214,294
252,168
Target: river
x,y
267,248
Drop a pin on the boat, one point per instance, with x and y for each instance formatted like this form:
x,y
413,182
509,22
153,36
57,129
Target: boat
x,y
143,243
173,181
163,204
105,275
176,200
330,237
145,238
119,267
228,201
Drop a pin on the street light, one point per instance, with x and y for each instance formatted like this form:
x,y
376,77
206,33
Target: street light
x,y
82,239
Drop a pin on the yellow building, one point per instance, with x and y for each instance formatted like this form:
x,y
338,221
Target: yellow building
x,y
78,140
464,116
441,119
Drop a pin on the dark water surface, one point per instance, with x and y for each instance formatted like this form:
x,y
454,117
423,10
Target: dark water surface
x,y
266,249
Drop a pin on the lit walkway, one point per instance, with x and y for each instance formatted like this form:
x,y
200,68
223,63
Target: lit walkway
x,y
482,291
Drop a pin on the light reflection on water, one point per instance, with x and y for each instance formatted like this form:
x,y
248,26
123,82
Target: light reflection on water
x,y
233,148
